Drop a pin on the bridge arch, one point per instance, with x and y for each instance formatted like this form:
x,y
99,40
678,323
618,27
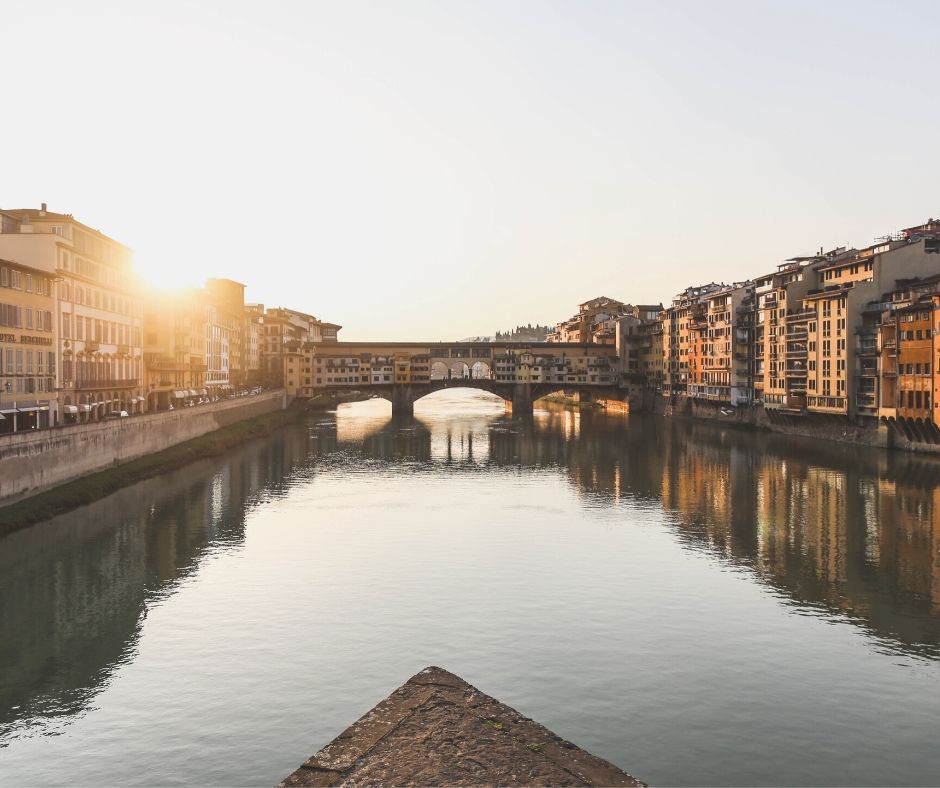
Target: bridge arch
x,y
459,369
481,371
438,370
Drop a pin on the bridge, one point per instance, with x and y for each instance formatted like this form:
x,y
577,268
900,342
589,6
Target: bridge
x,y
403,372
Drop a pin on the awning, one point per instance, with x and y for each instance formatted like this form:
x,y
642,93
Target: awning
x,y
203,392
32,408
178,394
2,417
83,408
192,393
71,409
135,400
7,410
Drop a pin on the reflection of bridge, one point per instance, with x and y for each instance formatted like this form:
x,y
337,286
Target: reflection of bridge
x,y
403,372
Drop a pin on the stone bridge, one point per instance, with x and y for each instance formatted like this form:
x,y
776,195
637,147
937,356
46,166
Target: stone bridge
x,y
403,372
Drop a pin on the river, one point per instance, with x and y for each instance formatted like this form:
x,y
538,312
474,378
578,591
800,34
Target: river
x,y
698,605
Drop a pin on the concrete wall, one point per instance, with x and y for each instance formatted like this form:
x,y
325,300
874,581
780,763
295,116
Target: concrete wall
x,y
31,462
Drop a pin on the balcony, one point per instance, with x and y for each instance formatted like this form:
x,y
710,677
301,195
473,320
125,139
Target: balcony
x,y
163,366
123,350
801,315
105,383
92,346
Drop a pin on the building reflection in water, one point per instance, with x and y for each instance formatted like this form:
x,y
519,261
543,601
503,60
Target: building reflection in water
x,y
846,531
74,590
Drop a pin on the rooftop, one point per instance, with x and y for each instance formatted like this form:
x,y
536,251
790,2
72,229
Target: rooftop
x,y
436,729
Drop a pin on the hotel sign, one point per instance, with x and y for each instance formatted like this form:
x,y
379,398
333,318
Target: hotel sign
x,y
25,339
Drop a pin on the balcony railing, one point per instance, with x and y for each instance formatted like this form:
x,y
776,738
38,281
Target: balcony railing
x,y
800,315
105,383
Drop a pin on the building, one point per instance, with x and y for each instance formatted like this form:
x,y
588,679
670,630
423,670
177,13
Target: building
x,y
725,341
28,363
98,315
175,328
779,334
252,343
683,339
835,315
288,332
595,322
225,324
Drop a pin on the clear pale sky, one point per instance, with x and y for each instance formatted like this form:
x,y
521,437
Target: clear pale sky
x,y
434,170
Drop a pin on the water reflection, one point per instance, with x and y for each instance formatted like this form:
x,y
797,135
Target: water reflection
x,y
843,531
852,531
74,591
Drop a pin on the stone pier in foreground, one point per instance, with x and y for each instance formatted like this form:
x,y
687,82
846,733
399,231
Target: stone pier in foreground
x,y
438,730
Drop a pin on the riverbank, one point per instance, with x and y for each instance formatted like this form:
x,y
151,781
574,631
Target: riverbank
x,y
897,434
96,485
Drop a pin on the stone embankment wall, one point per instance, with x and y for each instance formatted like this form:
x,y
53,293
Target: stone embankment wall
x,y
811,425
31,462
895,434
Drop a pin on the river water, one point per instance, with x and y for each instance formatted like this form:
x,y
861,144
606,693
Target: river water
x,y
698,605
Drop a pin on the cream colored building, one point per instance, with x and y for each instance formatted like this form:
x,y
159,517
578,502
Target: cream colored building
x,y
99,310
28,398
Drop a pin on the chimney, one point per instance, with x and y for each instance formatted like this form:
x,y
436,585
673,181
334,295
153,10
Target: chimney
x,y
42,211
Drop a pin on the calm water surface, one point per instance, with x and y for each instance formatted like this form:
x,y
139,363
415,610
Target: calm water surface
x,y
696,605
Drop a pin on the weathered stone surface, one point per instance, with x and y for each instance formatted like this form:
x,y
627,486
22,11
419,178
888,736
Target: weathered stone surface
x,y
438,730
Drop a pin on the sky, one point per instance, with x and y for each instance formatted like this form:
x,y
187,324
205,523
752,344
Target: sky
x,y
435,170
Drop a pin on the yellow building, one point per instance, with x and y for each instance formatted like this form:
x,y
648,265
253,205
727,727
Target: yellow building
x,y
679,320
227,365
779,338
175,348
28,398
836,308
98,312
